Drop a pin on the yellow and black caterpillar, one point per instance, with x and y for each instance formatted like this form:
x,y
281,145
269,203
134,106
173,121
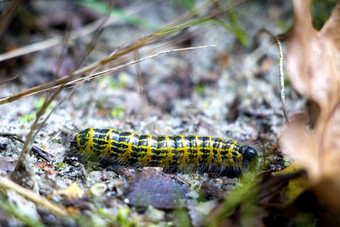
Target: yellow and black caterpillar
x,y
200,152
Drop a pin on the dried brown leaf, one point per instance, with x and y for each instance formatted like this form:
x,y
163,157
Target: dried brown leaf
x,y
331,30
301,145
330,145
313,63
310,58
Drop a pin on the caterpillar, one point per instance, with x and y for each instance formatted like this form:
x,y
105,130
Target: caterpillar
x,y
205,153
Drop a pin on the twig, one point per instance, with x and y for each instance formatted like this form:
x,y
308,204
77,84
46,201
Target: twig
x,y
87,52
53,41
49,98
40,152
8,14
134,62
33,132
65,81
8,80
147,40
30,135
142,92
7,184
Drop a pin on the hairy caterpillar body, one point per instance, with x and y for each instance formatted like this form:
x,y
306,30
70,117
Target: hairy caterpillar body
x,y
204,152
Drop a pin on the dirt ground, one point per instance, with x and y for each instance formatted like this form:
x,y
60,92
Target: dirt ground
x,y
229,90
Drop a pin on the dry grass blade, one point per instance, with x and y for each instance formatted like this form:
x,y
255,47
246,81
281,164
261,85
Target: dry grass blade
x,y
8,14
98,31
135,62
142,91
6,184
55,40
8,80
281,73
40,152
49,98
32,133
88,69
59,40
29,139
114,58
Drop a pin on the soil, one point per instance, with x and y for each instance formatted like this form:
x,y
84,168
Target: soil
x,y
229,91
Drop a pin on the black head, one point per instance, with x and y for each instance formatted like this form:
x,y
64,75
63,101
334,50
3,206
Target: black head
x,y
249,154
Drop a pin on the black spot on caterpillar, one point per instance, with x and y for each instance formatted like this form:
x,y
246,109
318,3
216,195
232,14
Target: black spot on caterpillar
x,y
204,153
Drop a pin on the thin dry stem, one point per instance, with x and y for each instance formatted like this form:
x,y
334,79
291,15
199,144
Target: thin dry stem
x,y
99,65
134,62
142,92
49,98
8,80
8,14
87,69
55,40
7,184
281,73
40,151
29,139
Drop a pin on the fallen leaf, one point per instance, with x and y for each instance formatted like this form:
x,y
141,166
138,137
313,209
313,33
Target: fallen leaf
x,y
313,63
310,58
301,145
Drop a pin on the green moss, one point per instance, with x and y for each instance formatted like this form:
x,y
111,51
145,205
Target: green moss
x,y
118,112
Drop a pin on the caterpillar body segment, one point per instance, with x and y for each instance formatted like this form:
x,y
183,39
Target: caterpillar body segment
x,y
203,152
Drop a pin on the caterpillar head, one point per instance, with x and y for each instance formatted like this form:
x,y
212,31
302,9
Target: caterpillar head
x,y
249,155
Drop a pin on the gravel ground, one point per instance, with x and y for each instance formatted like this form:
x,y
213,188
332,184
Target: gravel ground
x,y
228,91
